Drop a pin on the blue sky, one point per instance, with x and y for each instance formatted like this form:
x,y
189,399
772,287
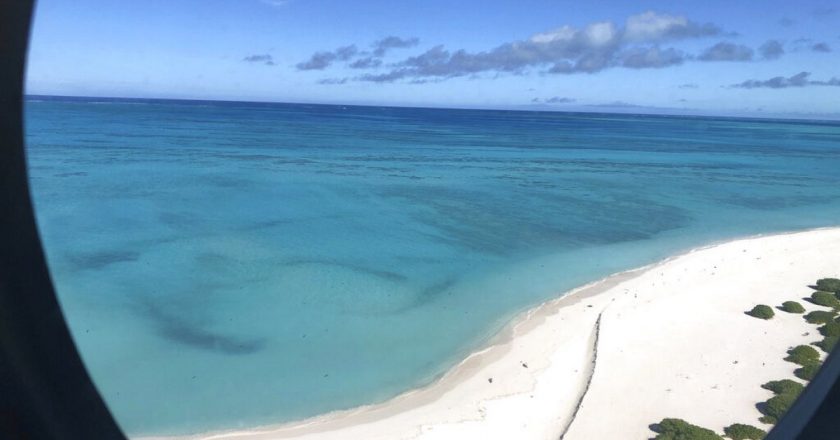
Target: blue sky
x,y
726,57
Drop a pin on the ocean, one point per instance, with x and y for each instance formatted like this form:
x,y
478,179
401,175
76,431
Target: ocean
x,y
225,265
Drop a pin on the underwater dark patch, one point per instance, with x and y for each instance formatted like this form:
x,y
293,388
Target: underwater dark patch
x,y
384,274
99,260
181,331
430,294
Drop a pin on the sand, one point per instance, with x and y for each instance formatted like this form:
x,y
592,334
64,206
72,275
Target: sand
x,y
609,359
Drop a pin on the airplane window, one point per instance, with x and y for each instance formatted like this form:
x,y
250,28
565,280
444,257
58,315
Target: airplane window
x,y
332,220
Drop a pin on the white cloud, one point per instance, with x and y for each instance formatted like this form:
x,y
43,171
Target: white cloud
x,y
801,79
276,3
565,49
652,26
564,33
601,34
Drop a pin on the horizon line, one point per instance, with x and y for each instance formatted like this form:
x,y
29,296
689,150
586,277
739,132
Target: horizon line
x,y
604,109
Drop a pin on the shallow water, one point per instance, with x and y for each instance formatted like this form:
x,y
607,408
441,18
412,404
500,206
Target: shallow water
x,y
224,265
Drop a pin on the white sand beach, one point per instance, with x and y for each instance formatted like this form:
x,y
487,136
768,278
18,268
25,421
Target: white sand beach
x,y
611,358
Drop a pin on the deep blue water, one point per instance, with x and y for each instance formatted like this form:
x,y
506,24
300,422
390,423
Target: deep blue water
x,y
235,264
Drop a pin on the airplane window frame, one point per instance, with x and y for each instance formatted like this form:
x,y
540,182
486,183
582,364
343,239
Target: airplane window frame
x,y
45,390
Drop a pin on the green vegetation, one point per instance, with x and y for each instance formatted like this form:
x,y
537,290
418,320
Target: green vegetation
x,y
828,343
829,285
677,429
786,391
792,307
761,311
739,431
807,372
803,355
784,386
775,407
826,299
830,328
819,317
808,358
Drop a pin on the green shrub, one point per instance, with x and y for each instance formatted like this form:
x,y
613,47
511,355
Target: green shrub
x,y
829,285
775,407
826,299
792,307
819,317
828,343
739,431
761,311
808,371
803,355
784,386
831,328
677,429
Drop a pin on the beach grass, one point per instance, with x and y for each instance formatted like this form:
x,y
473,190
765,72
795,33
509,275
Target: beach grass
x,y
784,386
820,317
775,407
830,328
785,391
808,371
829,285
792,307
827,344
803,355
678,429
740,431
825,299
761,311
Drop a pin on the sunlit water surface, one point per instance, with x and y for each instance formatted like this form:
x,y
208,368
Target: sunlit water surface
x,y
224,265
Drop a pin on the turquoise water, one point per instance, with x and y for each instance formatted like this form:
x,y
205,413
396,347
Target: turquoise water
x,y
233,264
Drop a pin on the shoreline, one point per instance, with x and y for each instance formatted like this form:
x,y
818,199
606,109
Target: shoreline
x,y
418,412
490,350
